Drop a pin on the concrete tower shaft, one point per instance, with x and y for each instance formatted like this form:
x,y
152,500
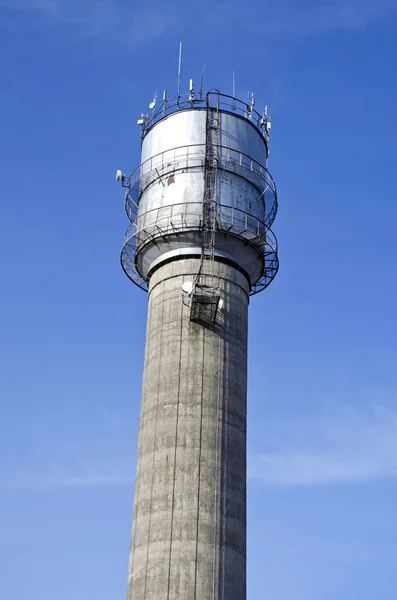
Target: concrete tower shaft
x,y
189,523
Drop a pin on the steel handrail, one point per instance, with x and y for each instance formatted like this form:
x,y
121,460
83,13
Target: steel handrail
x,y
187,101
135,228
228,156
136,174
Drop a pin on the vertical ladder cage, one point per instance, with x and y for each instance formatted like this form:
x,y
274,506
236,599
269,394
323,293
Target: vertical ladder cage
x,y
206,294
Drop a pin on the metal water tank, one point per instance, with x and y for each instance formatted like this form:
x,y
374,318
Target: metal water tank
x,y
164,198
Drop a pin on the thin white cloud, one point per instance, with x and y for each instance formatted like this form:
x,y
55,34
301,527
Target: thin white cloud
x,y
61,478
350,448
60,10
140,23
91,17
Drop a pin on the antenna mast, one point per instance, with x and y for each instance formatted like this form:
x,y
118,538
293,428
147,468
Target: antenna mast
x,y
201,80
179,70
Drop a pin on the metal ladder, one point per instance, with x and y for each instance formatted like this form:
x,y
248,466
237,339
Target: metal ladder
x,y
210,183
205,294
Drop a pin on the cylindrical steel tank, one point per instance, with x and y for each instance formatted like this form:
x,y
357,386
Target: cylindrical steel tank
x,y
164,200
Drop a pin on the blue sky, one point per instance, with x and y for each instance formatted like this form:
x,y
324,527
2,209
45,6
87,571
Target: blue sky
x,y
322,347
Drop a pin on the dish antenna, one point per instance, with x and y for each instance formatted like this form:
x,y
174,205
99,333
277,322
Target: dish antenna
x,y
153,104
120,175
187,287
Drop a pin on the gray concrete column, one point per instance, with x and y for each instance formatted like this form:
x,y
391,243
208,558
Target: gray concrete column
x,y
189,520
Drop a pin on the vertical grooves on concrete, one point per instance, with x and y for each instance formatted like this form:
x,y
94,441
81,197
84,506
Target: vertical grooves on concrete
x,y
175,453
216,484
223,478
139,455
199,471
154,446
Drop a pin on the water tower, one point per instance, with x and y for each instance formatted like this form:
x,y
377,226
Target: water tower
x,y
201,205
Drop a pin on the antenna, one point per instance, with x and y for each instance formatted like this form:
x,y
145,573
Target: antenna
x,y
265,123
250,105
120,176
191,90
153,104
201,80
179,70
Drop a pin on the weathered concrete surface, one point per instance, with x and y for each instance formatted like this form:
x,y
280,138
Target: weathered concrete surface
x,y
189,522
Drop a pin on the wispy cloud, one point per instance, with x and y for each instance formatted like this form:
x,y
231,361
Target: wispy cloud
x,y
91,17
63,478
63,11
349,448
140,23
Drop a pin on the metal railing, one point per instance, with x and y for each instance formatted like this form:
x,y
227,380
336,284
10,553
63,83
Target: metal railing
x,y
182,158
188,101
164,221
